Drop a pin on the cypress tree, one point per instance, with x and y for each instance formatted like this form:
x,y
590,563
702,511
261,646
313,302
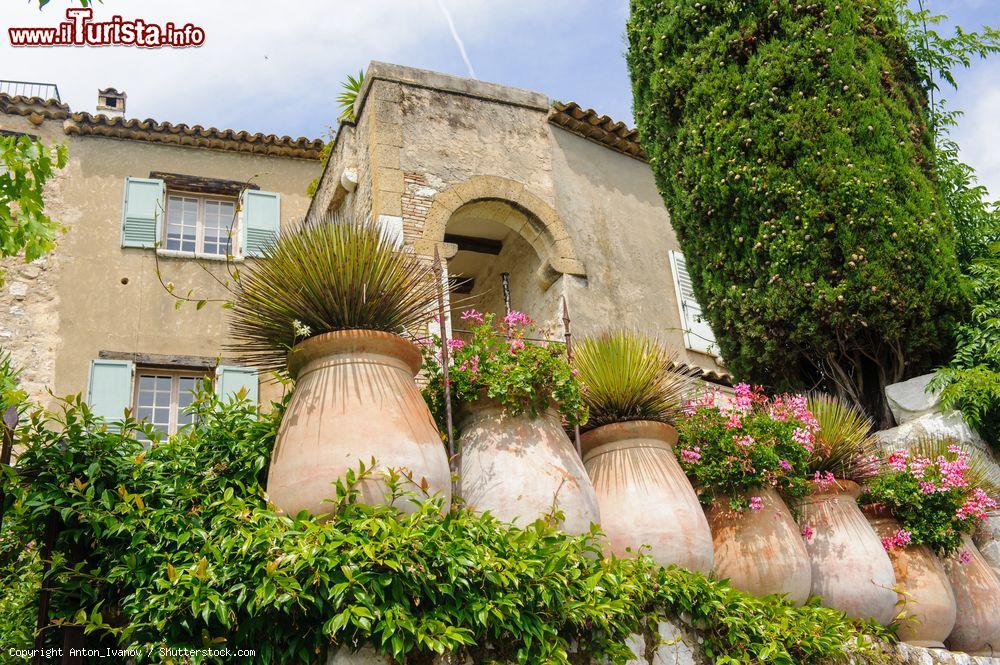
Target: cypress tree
x,y
790,142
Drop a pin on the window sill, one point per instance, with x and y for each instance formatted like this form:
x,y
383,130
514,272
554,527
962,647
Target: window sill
x,y
177,254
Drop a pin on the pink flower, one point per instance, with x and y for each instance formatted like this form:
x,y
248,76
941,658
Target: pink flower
x,y
927,487
785,464
744,441
515,318
803,437
516,345
691,455
976,506
756,503
825,481
807,532
896,541
455,344
735,420
965,557
897,460
472,315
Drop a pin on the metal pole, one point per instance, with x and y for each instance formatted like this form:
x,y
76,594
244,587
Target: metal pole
x,y
569,357
9,425
439,276
51,531
505,284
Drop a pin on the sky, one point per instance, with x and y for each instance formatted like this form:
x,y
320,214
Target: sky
x,y
275,66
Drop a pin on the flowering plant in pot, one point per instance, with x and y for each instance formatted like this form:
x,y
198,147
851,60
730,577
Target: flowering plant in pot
x,y
514,392
742,454
332,305
934,496
634,397
850,570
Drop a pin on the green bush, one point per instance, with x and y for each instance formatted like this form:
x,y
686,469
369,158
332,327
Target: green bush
x,y
173,544
790,141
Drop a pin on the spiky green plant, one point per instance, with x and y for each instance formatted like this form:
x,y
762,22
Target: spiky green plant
x,y
845,444
349,94
339,274
983,472
628,376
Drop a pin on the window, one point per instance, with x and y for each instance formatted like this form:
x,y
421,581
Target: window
x,y
698,335
200,224
162,397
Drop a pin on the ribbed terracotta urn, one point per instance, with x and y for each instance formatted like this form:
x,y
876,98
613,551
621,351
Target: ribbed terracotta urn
x,y
355,399
644,497
520,467
924,590
977,596
851,571
760,551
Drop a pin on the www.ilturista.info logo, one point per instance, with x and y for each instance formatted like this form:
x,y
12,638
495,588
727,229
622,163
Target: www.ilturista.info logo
x,y
81,30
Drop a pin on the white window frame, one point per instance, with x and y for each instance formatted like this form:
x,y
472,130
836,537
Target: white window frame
x,y
175,376
199,243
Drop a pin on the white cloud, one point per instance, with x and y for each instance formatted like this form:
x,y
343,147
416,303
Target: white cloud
x,y
266,65
978,131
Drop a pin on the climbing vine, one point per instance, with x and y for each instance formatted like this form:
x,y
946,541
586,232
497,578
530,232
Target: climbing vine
x,y
791,143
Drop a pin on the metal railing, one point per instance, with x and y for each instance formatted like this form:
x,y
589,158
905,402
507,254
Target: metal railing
x,y
30,89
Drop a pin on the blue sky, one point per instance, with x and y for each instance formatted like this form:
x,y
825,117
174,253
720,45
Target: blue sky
x,y
276,66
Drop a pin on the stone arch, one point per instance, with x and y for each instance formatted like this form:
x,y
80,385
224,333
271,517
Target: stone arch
x,y
514,207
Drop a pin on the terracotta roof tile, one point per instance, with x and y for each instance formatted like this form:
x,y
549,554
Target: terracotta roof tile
x,y
85,124
599,128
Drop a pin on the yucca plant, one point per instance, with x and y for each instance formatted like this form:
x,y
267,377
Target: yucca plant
x,y
339,274
845,444
628,376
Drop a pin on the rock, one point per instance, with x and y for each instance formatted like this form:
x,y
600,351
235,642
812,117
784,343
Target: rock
x,y
18,290
946,425
908,400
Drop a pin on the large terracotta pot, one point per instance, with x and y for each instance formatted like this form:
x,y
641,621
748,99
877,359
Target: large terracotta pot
x,y
520,467
760,551
977,596
355,399
851,571
924,589
644,496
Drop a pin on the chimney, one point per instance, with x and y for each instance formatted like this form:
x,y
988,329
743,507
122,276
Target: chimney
x,y
111,102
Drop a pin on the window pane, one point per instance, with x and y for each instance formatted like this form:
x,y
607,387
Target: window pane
x,y
182,223
153,400
218,224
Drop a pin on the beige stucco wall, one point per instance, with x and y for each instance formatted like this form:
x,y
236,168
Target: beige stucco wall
x,y
606,210
89,309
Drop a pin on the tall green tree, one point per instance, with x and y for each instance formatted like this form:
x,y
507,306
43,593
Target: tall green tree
x,y
791,142
25,166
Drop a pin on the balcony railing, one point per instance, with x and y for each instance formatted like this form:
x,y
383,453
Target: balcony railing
x,y
30,89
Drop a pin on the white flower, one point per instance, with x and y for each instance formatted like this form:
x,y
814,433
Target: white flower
x,y
301,329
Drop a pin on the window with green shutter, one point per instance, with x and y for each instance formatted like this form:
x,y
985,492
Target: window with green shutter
x,y
230,380
261,221
109,389
142,212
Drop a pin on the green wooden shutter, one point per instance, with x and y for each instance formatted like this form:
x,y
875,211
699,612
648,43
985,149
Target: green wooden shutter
x,y
109,391
229,380
142,212
261,221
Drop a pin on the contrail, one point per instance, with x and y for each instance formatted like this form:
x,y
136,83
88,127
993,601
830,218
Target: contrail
x,y
458,40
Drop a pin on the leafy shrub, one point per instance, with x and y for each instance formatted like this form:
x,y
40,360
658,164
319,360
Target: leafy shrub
x,y
173,544
929,492
628,376
340,274
730,449
971,381
500,362
790,142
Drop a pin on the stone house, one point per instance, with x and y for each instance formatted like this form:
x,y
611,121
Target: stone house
x,y
525,201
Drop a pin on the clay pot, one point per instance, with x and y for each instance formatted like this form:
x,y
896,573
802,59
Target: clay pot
x,y
977,596
519,467
924,589
760,551
644,496
355,399
851,571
